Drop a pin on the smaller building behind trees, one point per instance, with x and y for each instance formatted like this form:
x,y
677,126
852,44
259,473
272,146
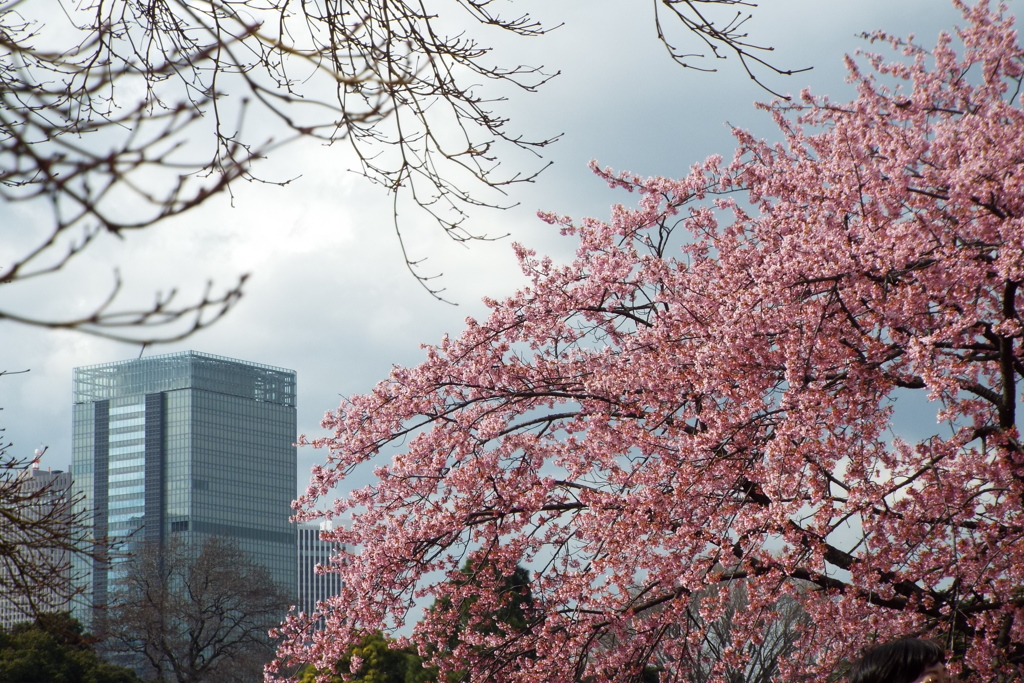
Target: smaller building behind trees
x,y
36,539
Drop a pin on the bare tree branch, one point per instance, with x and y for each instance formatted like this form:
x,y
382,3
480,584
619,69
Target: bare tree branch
x,y
116,115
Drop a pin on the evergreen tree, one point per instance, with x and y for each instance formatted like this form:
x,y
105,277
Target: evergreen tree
x,y
54,649
376,659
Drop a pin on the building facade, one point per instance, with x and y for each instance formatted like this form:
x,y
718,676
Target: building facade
x,y
184,445
47,588
313,551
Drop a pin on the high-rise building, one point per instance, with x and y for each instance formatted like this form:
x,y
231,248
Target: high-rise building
x,y
313,551
185,445
43,500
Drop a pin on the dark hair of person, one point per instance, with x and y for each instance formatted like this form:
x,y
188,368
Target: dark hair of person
x,y
900,661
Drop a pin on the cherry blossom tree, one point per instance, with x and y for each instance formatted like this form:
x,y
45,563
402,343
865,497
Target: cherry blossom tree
x,y
710,392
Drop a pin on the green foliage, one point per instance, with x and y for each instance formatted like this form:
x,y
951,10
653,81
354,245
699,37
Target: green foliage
x,y
54,649
517,601
515,613
381,662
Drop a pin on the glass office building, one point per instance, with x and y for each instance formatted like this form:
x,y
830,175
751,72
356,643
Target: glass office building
x,y
185,446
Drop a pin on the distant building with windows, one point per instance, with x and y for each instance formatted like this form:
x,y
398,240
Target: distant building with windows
x,y
313,551
184,445
46,492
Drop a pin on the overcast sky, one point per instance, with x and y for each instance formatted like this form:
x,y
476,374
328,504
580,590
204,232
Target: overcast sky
x,y
329,296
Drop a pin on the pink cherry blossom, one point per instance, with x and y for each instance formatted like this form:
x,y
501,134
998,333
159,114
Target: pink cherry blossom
x,y
709,393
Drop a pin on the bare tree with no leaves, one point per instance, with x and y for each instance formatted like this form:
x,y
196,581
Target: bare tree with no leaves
x,y
195,613
780,628
706,629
